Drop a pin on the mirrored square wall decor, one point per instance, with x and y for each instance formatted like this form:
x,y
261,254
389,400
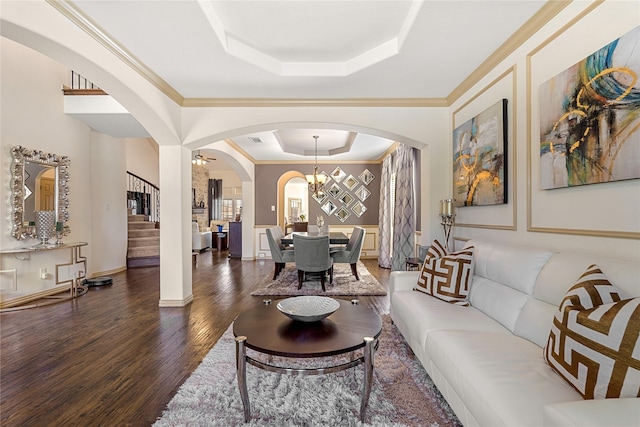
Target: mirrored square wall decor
x,y
366,176
342,214
335,190
345,188
350,182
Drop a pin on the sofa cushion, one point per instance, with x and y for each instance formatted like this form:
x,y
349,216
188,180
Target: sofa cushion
x,y
449,277
593,413
594,341
558,275
417,314
500,302
512,265
502,379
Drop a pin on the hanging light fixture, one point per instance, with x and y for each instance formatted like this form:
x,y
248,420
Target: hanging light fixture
x,y
200,160
317,180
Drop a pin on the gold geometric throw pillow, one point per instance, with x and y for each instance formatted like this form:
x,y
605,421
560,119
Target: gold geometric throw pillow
x,y
591,289
436,250
448,277
594,342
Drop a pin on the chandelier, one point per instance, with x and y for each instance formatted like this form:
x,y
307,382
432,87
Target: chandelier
x,y
317,180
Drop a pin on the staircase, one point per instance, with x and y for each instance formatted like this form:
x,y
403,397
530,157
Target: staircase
x,y
144,242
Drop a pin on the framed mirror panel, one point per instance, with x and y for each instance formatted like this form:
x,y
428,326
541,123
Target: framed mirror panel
x,y
343,214
335,190
363,193
346,198
338,174
350,182
319,197
366,176
39,181
359,209
329,208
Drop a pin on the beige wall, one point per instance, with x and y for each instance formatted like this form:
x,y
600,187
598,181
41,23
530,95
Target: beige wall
x,y
142,159
584,219
32,117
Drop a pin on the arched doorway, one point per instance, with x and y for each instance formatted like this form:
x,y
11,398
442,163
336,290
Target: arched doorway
x,y
296,199
284,179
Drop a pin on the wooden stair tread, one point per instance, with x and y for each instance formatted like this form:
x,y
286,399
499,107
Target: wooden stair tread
x,y
143,242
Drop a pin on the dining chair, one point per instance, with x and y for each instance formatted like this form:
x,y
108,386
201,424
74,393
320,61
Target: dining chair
x,y
311,254
279,253
351,253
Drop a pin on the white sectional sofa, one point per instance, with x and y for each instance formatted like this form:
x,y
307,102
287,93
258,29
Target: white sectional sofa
x,y
487,359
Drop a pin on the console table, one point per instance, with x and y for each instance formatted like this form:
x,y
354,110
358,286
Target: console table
x,y
70,272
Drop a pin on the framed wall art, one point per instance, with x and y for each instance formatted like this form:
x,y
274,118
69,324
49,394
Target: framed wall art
x,y
479,158
590,118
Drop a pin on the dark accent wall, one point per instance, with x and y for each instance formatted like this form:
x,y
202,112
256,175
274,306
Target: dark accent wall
x,y
267,192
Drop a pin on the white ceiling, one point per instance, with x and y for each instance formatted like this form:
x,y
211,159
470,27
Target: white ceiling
x,y
308,49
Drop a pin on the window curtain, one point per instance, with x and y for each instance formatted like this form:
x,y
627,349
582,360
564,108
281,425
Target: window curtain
x,y
384,215
404,221
215,199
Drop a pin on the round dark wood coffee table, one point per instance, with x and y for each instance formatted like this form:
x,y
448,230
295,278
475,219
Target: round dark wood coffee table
x,y
266,330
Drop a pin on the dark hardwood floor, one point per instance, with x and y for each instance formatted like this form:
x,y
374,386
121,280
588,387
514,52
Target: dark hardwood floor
x,y
113,357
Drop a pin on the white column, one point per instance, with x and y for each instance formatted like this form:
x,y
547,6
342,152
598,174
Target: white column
x,y
175,226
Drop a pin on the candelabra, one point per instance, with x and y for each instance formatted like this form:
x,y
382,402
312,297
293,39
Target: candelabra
x,y
446,219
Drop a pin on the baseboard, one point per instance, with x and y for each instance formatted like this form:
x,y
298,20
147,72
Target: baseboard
x,y
175,302
107,272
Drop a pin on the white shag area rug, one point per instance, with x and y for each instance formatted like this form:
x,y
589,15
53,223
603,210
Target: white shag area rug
x,y
402,393
344,283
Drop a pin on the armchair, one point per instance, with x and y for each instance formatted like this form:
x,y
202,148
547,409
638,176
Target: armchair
x,y
351,253
279,254
199,239
311,255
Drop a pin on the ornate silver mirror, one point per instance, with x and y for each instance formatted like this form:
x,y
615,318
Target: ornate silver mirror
x,y
39,181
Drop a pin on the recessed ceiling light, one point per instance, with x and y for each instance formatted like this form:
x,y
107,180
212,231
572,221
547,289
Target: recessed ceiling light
x,y
255,140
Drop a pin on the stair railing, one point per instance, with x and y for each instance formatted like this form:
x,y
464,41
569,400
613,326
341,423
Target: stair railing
x,y
81,86
79,82
143,197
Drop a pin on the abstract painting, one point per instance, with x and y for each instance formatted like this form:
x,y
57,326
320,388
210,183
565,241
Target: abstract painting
x,y
590,118
479,158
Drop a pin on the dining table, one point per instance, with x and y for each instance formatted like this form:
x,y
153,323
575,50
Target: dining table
x,y
335,237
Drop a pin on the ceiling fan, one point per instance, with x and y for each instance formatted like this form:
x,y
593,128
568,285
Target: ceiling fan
x,y
199,159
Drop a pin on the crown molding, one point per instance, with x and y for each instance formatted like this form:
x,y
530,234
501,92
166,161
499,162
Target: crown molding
x,y
547,12
86,24
315,102
550,9
298,162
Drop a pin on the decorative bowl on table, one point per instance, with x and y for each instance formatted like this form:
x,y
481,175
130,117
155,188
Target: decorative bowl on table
x,y
308,308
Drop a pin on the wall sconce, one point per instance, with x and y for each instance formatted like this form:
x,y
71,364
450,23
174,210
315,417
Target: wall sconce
x,y
446,219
